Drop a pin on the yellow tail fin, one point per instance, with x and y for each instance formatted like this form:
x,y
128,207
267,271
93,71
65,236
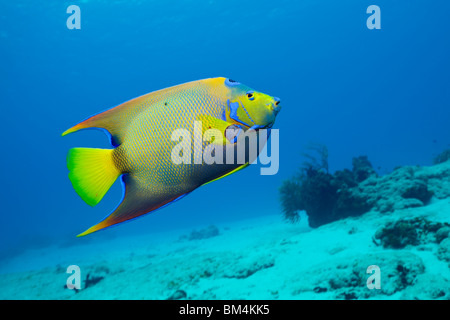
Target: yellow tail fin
x,y
92,172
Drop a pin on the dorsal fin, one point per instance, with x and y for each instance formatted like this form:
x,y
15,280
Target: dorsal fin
x,y
113,120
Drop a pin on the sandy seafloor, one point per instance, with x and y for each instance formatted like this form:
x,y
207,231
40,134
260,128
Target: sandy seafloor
x,y
262,258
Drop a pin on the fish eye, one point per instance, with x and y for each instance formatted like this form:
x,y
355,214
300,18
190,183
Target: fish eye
x,y
231,82
250,95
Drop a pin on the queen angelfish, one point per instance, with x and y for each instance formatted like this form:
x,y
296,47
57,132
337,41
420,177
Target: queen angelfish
x,y
141,134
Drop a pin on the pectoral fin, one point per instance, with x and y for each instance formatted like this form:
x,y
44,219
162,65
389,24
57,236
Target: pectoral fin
x,y
210,122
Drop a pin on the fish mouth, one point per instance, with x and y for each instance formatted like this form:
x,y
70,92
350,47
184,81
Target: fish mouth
x,y
276,110
276,107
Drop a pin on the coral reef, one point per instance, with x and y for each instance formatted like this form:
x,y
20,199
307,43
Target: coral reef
x,y
347,277
426,287
328,197
437,178
416,231
442,157
291,200
443,252
316,195
362,168
401,189
316,157
259,259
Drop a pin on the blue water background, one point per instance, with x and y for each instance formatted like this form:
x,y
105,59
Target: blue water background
x,y
381,93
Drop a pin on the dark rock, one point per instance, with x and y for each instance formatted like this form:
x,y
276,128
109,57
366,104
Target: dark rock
x,y
320,289
442,233
417,189
208,232
403,232
350,295
443,252
177,295
91,280
442,157
362,168
344,178
397,235
351,203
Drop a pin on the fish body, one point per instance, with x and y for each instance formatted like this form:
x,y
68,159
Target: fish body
x,y
141,130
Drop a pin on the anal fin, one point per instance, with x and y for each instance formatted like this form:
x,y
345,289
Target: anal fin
x,y
229,173
135,202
